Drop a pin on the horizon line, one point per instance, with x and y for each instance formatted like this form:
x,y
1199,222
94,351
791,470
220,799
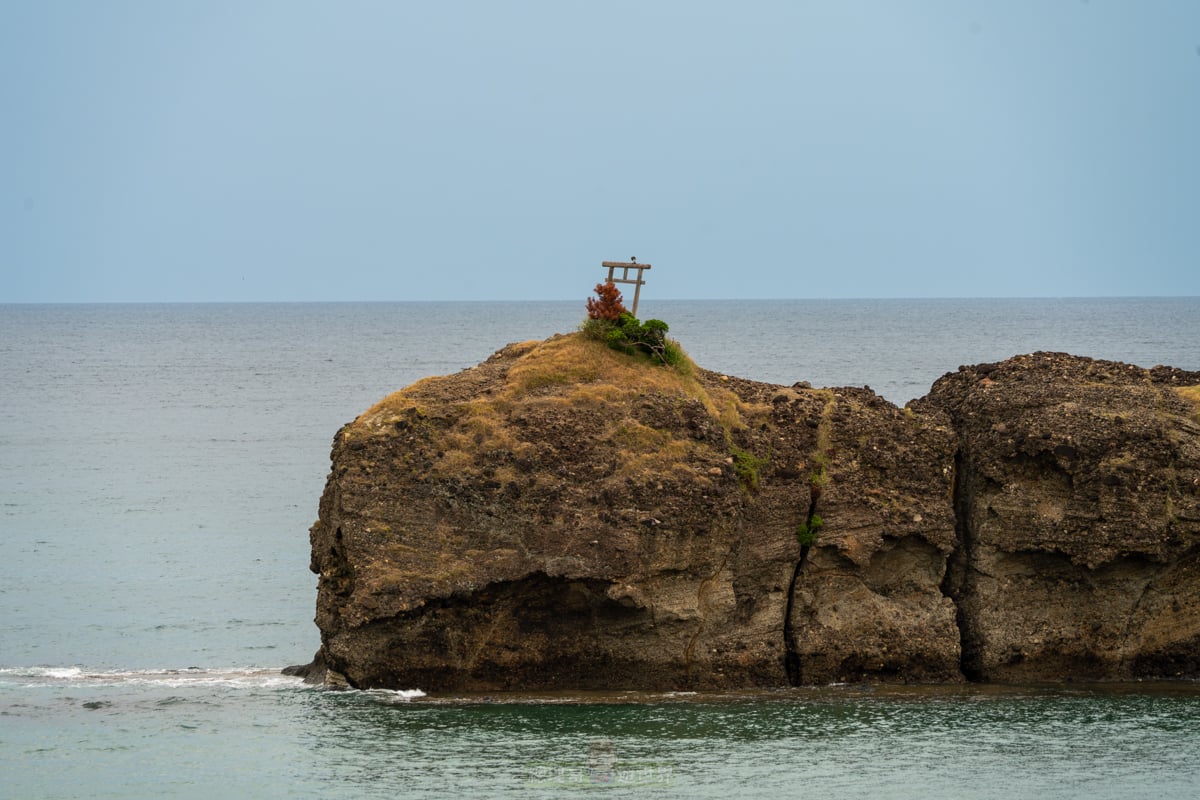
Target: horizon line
x,y
573,300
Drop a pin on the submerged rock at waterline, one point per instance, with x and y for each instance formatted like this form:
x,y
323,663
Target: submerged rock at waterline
x,y
566,516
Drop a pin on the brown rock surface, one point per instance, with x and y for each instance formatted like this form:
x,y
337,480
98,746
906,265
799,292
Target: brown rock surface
x,y
1078,499
564,516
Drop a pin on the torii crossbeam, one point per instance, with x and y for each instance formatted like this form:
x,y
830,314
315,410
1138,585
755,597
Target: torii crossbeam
x,y
625,266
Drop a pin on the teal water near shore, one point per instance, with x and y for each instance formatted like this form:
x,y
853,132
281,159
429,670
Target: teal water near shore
x,y
254,734
160,466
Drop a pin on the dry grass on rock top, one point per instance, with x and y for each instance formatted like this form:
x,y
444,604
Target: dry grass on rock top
x,y
1192,395
568,402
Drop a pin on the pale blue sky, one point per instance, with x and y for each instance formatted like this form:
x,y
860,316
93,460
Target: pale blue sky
x,y
211,151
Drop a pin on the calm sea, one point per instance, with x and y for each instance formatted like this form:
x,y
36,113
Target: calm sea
x,y
160,466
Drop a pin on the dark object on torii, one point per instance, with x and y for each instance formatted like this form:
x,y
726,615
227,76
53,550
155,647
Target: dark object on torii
x,y
625,266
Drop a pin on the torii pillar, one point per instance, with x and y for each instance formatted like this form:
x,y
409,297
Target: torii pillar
x,y
625,266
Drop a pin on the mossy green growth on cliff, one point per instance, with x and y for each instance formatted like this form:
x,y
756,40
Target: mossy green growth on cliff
x,y
806,532
748,468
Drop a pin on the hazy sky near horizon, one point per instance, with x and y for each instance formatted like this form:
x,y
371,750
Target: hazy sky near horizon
x,y
248,150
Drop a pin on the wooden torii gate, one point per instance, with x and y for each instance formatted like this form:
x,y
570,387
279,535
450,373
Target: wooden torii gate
x,y
625,266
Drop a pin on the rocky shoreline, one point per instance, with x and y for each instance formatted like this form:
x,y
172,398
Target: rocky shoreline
x,y
562,516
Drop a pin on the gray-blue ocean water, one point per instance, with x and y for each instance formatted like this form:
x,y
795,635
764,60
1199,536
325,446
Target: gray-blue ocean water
x,y
160,466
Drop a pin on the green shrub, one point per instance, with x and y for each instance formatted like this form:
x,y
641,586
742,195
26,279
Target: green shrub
x,y
655,325
806,532
594,328
628,335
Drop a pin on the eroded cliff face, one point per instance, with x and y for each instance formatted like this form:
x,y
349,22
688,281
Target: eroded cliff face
x,y
559,516
1078,515
564,516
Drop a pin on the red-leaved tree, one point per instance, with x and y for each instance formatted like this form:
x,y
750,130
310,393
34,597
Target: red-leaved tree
x,y
607,303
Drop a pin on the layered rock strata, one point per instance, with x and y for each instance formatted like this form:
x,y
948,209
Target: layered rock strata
x,y
565,516
1078,519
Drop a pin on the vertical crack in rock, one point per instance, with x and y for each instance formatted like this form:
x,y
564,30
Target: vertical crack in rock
x,y
791,659
822,457
958,581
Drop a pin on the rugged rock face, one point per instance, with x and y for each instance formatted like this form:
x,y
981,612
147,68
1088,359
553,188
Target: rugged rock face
x,y
1077,492
564,516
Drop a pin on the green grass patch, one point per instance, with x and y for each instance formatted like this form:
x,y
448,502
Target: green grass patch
x,y
748,468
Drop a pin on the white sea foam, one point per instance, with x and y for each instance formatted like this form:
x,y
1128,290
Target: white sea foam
x,y
393,696
244,677
65,673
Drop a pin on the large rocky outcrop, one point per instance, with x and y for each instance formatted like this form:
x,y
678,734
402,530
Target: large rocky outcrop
x,y
564,516
1076,498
